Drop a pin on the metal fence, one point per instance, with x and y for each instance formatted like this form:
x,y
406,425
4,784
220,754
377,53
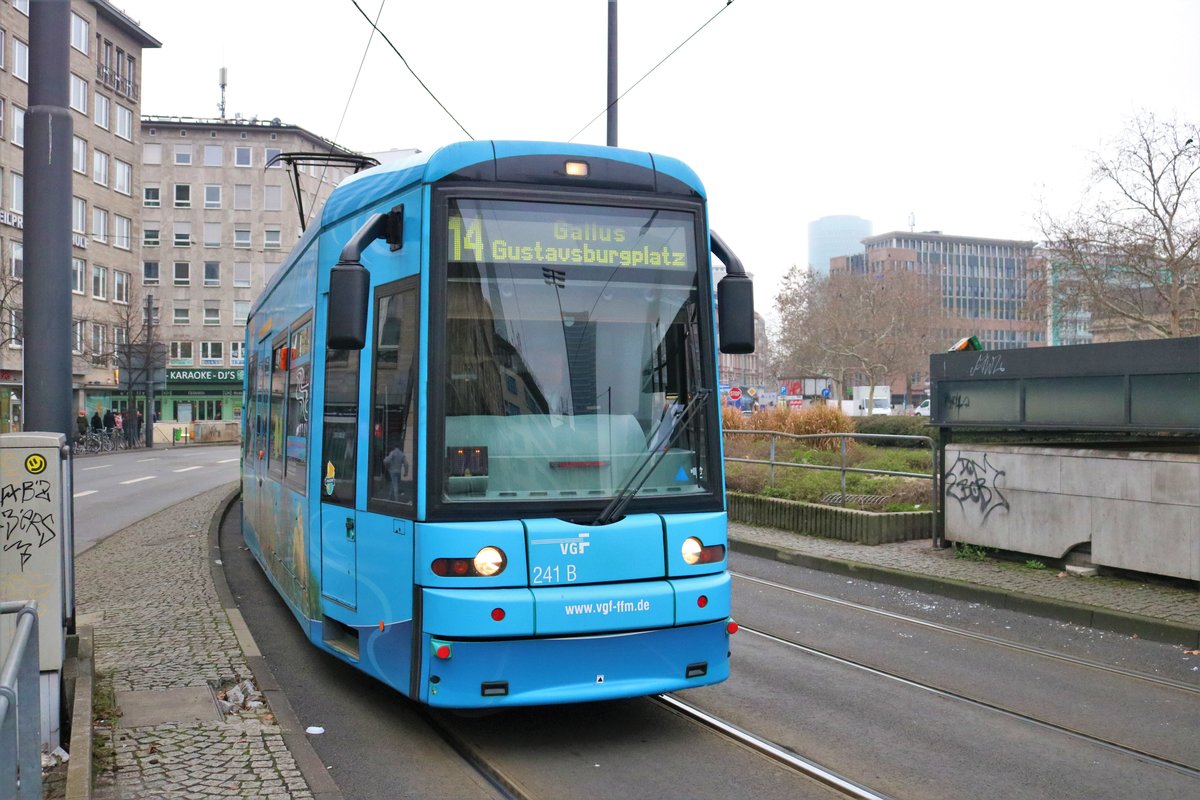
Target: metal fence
x,y
20,708
931,476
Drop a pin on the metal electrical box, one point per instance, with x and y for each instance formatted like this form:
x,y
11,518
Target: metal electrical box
x,y
34,564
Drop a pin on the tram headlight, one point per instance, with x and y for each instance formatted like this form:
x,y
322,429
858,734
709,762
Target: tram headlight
x,y
694,552
490,561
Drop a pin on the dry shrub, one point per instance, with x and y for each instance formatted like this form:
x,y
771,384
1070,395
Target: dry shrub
x,y
733,419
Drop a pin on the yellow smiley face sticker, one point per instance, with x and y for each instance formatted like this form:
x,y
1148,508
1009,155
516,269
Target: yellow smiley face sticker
x,y
35,464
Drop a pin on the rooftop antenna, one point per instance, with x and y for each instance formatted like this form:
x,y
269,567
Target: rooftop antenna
x,y
223,75
912,222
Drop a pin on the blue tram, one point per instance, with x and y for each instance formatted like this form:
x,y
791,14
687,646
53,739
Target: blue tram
x,y
482,457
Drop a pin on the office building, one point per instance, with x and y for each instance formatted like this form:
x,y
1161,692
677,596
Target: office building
x,y
105,63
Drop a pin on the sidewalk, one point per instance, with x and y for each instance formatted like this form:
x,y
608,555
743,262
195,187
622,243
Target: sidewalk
x,y
168,637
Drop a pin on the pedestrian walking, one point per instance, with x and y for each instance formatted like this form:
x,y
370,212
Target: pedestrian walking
x,y
97,422
110,421
81,423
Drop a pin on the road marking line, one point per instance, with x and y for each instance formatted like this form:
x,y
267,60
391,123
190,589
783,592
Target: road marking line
x,y
139,480
102,466
186,469
144,460
228,461
85,494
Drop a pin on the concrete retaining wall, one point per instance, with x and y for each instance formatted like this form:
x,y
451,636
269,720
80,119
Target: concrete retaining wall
x,y
1138,510
847,524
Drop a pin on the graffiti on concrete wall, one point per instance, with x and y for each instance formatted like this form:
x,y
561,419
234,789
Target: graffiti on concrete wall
x,y
972,483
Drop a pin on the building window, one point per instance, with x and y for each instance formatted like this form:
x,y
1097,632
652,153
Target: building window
x,y
150,273
99,357
183,155
20,68
102,110
99,224
3,46
182,234
212,273
80,33
181,313
241,311
235,354
241,156
271,239
241,197
120,286
213,155
79,94
270,153
212,195
77,336
241,237
183,195
79,155
100,283
183,273
79,215
212,312
122,176
122,232
273,198
212,234
181,354
241,274
152,154
16,329
100,167
150,236
18,126
124,123
16,260
212,354
22,6
151,196
16,201
78,269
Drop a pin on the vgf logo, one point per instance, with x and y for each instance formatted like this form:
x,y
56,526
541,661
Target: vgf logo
x,y
573,548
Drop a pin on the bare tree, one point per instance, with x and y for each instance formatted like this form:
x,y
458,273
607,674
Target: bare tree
x,y
10,310
1130,253
876,326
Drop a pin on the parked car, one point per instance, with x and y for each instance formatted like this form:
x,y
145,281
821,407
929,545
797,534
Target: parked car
x,y
923,409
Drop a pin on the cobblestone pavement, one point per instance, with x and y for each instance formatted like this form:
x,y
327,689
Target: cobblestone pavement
x,y
1155,600
148,593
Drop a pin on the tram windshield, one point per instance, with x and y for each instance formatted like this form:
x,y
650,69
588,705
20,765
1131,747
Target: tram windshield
x,y
571,347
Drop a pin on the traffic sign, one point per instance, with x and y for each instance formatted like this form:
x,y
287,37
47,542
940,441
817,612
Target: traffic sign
x,y
783,391
735,393
825,393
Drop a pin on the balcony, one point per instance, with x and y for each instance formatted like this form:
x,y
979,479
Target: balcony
x,y
114,80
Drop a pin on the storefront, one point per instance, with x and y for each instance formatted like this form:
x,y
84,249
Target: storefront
x,y
10,401
195,395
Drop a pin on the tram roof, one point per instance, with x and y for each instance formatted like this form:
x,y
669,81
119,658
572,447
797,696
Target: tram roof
x,y
478,159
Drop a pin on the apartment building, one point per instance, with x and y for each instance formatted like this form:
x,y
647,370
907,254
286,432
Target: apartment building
x,y
105,97
216,222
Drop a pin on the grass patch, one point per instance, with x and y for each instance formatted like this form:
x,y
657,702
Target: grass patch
x,y
970,552
104,715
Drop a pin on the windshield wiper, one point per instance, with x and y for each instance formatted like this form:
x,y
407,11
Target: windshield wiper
x,y
652,458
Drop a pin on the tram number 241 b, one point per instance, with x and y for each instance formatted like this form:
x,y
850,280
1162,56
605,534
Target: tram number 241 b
x,y
554,574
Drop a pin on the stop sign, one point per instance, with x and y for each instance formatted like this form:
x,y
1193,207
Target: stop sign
x,y
735,393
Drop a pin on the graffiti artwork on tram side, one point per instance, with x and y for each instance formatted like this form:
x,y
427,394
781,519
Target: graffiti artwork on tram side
x,y
25,527
973,483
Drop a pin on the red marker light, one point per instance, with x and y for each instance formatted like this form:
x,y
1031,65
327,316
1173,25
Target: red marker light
x,y
497,614
731,627
443,651
702,601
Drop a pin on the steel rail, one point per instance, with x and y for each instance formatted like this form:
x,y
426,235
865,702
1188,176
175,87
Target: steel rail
x,y
982,637
1116,747
772,751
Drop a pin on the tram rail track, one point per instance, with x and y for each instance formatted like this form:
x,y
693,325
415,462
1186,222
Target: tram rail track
x,y
1112,746
975,636
778,754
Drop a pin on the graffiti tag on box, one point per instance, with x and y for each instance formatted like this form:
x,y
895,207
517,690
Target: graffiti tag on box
x,y
26,527
976,484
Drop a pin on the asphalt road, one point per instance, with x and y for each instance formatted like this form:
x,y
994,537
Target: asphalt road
x,y
113,490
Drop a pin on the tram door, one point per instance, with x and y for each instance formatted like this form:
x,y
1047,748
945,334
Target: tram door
x,y
339,480
258,434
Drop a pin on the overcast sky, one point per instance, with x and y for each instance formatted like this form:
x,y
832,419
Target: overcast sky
x,y
964,114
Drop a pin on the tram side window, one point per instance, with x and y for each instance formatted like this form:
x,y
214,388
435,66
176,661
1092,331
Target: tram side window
x,y
339,447
299,367
251,408
275,409
394,419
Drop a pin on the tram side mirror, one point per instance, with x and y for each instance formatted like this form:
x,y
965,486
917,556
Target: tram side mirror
x,y
735,314
349,290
